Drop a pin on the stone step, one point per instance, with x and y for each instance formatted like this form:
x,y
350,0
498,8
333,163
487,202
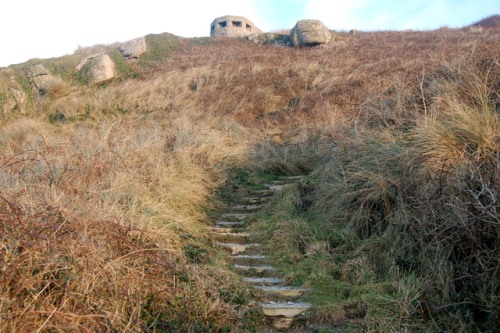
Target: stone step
x,y
281,315
235,216
280,291
246,208
224,230
291,178
255,271
249,259
234,248
230,224
276,188
231,237
264,193
283,181
254,200
263,280
285,309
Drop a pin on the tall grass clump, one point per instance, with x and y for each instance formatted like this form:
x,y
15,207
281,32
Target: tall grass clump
x,y
111,236
425,202
458,158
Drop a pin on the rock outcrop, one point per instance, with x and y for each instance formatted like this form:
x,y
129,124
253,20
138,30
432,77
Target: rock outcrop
x,y
233,26
133,48
19,97
15,100
41,78
310,33
97,68
271,38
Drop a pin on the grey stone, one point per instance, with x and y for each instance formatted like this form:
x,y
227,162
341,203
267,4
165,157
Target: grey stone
x,y
97,68
19,97
310,33
281,315
41,78
38,70
233,26
133,48
285,291
15,99
271,38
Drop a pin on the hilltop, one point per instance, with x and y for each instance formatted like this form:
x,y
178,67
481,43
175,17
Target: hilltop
x,y
109,188
491,22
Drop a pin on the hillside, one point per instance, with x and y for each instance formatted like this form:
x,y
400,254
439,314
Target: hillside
x,y
108,190
492,22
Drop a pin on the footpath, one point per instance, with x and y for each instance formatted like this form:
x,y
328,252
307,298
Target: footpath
x,y
280,303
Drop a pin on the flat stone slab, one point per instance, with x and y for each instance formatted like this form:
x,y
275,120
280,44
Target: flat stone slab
x,y
264,193
291,178
235,248
255,271
287,310
236,216
286,291
231,237
243,259
262,281
224,230
257,268
246,208
282,182
230,224
254,200
276,188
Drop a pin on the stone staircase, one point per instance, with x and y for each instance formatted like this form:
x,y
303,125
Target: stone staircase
x,y
280,303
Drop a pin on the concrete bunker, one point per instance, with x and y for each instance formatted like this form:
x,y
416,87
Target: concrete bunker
x,y
233,26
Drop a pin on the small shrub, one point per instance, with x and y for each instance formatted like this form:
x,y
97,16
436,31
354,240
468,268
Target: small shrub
x,y
56,117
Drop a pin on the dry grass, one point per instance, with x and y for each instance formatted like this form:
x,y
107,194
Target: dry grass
x,y
93,235
104,190
434,191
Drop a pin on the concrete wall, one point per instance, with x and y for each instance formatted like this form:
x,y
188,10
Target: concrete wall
x,y
233,26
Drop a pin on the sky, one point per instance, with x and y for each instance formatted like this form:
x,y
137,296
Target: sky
x,y
52,28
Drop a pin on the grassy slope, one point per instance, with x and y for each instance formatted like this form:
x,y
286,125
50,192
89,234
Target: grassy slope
x,y
391,124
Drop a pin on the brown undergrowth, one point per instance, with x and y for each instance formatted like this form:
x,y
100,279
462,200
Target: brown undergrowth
x,y
106,190
98,222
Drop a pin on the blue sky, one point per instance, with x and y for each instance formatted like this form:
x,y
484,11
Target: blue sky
x,y
379,15
50,28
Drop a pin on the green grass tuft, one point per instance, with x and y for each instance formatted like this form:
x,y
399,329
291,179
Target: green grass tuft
x,y
160,47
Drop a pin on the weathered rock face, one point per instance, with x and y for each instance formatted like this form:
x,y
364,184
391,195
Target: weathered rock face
x,y
15,98
41,78
97,68
133,48
19,97
233,26
38,70
310,33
